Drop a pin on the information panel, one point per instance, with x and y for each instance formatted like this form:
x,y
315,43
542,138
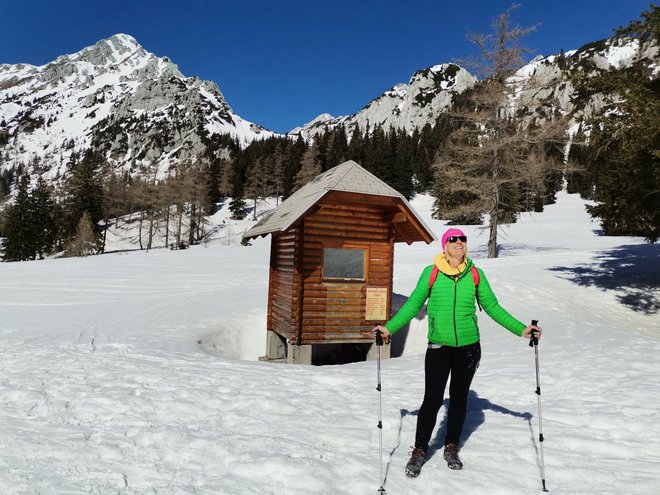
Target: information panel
x,y
376,303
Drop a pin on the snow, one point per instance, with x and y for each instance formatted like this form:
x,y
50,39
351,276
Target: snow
x,y
136,372
211,97
400,106
620,56
62,92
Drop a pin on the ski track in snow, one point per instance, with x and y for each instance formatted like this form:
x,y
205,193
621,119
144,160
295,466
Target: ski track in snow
x,y
135,373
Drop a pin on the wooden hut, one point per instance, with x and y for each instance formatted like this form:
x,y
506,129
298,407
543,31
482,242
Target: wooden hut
x,y
331,261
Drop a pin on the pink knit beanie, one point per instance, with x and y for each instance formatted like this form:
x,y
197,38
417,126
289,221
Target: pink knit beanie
x,y
448,234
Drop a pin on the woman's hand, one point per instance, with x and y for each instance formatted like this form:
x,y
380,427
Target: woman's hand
x,y
527,332
385,333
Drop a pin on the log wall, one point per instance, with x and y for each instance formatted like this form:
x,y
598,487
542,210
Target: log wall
x,y
333,311
308,309
284,288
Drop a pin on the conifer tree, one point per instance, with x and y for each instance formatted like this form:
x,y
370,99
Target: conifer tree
x,y
622,152
237,205
84,193
355,150
322,146
6,181
376,153
213,184
419,169
292,166
219,151
276,166
240,165
491,152
580,180
401,145
30,228
42,213
18,232
337,151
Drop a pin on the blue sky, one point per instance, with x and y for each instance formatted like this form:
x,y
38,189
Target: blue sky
x,y
282,63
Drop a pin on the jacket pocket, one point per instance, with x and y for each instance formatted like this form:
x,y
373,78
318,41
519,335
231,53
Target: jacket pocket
x,y
475,319
434,331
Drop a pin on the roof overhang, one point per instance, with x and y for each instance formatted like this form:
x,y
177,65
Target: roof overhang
x,y
347,183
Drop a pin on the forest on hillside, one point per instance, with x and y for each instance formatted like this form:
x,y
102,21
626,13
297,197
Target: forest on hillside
x,y
482,163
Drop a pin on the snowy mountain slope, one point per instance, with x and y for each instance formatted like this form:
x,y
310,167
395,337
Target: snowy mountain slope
x,y
139,110
106,389
405,106
547,79
114,96
537,86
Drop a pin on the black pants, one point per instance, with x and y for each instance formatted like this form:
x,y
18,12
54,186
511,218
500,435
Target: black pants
x,y
462,364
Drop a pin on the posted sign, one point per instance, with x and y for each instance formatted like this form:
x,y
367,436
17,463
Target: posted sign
x,y
376,304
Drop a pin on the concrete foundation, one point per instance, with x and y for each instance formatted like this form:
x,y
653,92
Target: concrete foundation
x,y
298,354
276,348
281,351
385,352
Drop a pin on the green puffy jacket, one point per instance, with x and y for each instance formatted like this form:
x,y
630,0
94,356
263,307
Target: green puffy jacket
x,y
452,309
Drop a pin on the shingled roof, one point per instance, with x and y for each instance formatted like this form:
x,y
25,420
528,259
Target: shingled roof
x,y
347,177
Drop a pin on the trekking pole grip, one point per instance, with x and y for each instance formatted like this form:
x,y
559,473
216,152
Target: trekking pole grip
x,y
534,340
379,338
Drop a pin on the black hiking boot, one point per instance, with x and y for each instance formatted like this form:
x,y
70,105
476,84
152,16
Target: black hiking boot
x,y
415,463
451,456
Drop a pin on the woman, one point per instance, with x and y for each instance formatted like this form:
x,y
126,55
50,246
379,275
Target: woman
x,y
453,337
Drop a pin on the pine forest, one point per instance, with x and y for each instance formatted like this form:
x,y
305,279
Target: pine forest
x,y
483,161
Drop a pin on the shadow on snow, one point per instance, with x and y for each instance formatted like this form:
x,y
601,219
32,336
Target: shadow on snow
x,y
632,270
476,416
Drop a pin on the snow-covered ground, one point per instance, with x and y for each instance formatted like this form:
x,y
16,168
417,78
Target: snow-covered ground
x,y
136,373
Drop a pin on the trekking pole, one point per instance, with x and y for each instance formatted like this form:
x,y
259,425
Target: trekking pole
x,y
534,342
379,344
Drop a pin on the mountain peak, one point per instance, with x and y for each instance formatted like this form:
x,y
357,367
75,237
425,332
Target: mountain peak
x,y
115,97
111,51
122,38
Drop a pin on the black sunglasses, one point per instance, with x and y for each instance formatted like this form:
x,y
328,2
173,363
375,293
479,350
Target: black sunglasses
x,y
454,238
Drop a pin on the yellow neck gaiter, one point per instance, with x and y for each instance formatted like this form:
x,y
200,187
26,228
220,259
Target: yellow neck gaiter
x,y
443,265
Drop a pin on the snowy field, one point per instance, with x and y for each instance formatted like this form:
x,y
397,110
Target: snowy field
x,y
137,373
